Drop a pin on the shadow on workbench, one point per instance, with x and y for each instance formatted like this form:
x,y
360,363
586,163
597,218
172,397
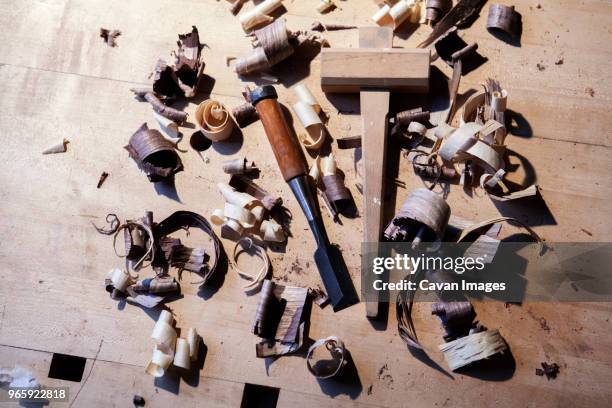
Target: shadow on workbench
x,y
406,29
297,67
500,367
347,382
424,358
232,145
205,87
216,280
167,188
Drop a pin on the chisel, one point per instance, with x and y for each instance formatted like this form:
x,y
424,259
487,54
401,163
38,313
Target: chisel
x,y
293,167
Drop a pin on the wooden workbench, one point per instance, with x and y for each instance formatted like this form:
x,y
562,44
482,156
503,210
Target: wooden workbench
x,y
58,79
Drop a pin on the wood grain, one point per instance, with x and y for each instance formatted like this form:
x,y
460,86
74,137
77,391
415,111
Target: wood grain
x,y
399,70
374,105
60,80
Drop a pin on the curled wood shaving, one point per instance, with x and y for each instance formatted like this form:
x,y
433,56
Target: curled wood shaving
x,y
165,337
259,15
395,15
479,141
214,120
237,6
149,252
405,299
171,349
309,38
57,148
153,154
167,244
168,127
245,114
423,217
163,284
319,26
113,221
187,64
405,325
244,213
503,19
246,185
480,225
120,279
184,220
109,36
278,319
463,11
239,166
272,45
404,118
478,346
165,81
436,9
159,107
183,78
325,6
243,246
324,368
425,165
307,110
333,182
456,317
190,259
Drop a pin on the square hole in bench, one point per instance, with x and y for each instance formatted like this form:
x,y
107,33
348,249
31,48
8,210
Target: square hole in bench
x,y
259,396
67,367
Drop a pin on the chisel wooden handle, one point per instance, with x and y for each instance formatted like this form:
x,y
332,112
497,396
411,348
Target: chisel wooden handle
x,y
288,153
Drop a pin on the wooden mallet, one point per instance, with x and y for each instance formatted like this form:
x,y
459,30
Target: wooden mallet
x,y
374,70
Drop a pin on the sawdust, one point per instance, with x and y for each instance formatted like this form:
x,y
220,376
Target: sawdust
x,y
385,377
542,321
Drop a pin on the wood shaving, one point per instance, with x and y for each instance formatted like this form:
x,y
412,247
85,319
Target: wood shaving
x,y
436,9
255,280
466,350
237,6
110,36
423,217
259,15
159,107
307,110
153,154
278,319
324,368
214,120
503,19
463,11
57,148
103,178
171,349
245,114
192,257
325,6
394,16
319,26
246,185
239,166
272,45
181,79
244,213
